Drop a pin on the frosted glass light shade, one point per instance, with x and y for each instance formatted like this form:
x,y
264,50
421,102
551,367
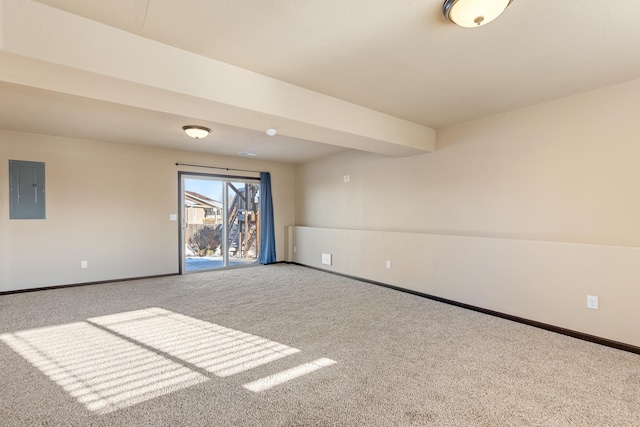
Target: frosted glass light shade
x,y
196,132
473,13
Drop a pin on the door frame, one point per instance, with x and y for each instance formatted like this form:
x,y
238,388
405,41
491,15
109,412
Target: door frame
x,y
225,179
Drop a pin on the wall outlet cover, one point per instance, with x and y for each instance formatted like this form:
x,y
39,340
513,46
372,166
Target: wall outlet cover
x,y
326,259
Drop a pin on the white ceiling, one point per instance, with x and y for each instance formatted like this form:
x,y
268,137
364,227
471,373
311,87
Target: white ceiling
x,y
398,57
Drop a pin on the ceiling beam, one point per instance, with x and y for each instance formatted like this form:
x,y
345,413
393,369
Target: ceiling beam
x,y
50,49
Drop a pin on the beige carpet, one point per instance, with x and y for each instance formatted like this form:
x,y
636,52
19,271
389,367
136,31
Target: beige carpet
x,y
286,345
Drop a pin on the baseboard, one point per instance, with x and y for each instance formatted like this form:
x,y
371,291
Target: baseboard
x,y
102,282
73,285
568,332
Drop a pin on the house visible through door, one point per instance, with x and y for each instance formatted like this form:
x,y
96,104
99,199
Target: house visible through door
x,y
220,221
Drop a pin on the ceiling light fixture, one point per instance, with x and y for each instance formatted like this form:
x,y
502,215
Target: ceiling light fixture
x,y
271,131
197,132
473,13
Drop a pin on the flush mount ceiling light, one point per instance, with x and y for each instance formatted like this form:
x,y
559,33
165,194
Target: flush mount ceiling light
x,y
473,13
197,132
271,131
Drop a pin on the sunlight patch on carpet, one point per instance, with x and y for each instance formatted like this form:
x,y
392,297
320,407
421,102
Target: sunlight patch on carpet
x,y
287,375
111,362
214,348
103,372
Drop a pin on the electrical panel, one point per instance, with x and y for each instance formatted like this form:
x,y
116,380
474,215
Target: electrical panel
x,y
26,190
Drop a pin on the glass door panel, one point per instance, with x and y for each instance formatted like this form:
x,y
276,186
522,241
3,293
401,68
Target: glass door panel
x,y
203,223
243,222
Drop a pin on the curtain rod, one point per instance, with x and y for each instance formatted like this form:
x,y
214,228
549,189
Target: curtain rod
x,y
216,167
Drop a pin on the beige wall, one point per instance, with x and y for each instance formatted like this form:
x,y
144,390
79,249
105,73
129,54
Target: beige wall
x,y
480,216
108,204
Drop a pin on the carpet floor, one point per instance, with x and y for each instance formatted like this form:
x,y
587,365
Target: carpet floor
x,y
284,345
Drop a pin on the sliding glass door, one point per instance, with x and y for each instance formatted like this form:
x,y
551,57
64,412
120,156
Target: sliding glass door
x,y
220,222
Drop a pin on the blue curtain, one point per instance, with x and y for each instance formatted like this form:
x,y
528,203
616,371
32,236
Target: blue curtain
x,y
267,233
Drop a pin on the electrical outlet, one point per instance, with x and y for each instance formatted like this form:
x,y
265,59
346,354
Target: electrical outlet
x,y
84,264
347,178
388,264
173,217
592,302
